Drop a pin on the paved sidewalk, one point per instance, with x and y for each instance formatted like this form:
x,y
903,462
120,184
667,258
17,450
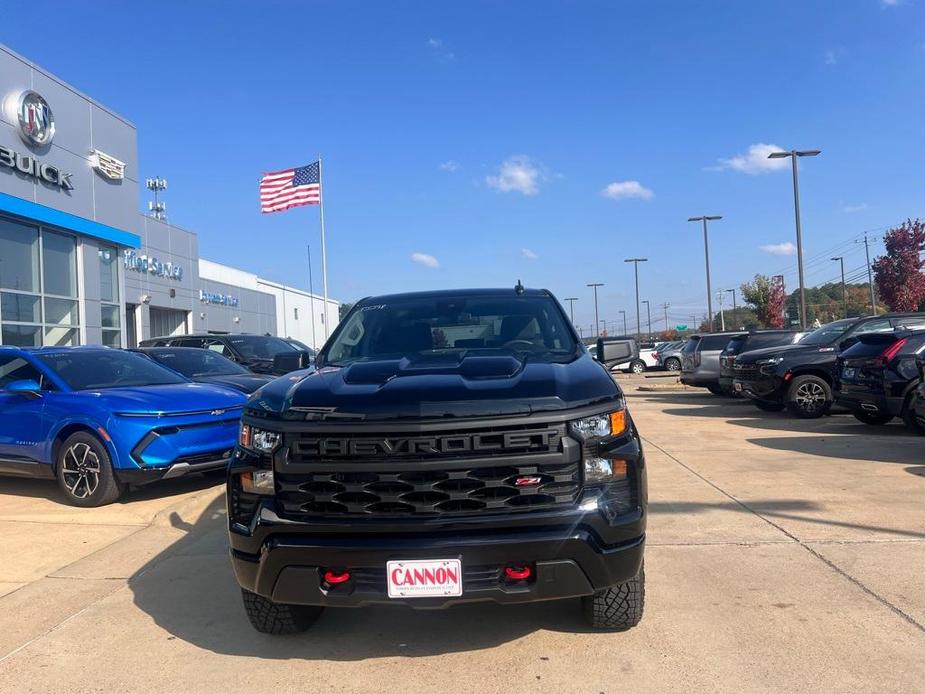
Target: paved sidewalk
x,y
783,555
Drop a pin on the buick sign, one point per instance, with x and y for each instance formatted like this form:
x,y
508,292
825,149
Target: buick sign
x,y
36,121
28,165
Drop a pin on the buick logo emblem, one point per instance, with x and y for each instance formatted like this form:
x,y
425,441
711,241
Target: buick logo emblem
x,y
36,121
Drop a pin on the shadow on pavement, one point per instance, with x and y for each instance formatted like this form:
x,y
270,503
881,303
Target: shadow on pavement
x,y
48,489
189,590
905,450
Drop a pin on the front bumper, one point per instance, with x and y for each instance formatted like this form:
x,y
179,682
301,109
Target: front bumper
x,y
766,387
568,562
141,476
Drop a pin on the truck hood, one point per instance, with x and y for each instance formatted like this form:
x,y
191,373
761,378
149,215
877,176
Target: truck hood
x,y
751,356
176,399
445,385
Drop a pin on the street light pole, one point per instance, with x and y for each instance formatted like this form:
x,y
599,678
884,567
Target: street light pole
x,y
795,154
635,262
624,322
597,324
665,306
706,254
735,308
722,315
648,320
870,277
844,289
571,308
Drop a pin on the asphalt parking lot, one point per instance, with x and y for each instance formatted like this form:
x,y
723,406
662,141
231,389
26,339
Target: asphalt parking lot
x,y
783,555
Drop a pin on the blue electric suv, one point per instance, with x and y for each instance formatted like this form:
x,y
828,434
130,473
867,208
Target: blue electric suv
x,y
99,419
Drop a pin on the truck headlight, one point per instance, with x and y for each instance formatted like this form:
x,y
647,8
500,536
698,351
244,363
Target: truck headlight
x,y
258,440
258,482
600,425
770,361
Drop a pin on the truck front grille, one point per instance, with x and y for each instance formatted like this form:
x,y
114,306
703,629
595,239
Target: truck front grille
x,y
449,472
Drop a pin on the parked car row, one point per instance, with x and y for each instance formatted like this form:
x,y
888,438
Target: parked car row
x,y
99,419
872,366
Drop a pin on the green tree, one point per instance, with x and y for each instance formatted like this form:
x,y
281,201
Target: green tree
x,y
764,295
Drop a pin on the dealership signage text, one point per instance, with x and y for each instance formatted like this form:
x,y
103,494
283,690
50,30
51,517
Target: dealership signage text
x,y
215,298
151,265
30,166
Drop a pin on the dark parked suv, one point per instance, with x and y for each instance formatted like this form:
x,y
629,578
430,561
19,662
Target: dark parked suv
x,y
756,339
451,446
799,376
261,354
876,378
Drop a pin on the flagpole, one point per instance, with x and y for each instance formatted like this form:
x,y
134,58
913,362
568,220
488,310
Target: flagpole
x,y
311,296
324,253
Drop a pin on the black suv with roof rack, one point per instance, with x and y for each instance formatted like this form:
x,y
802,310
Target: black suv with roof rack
x,y
799,377
449,446
739,344
260,354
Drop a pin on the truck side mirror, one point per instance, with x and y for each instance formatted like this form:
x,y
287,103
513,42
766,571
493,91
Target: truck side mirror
x,y
26,387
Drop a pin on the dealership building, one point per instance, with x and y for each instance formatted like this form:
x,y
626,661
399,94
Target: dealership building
x,y
80,265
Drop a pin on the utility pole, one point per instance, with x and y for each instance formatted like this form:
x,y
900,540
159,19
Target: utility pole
x,y
571,308
604,322
735,308
635,262
844,289
870,276
706,254
624,322
665,307
595,285
648,320
795,154
722,317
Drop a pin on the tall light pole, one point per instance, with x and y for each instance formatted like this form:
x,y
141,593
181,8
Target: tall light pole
x,y
795,154
635,262
722,315
844,289
870,277
665,306
648,320
624,322
604,322
706,254
735,308
571,308
595,285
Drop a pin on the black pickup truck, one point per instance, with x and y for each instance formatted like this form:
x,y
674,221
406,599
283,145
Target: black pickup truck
x,y
447,447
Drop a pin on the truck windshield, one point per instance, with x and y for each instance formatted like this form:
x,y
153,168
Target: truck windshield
x,y
404,327
827,333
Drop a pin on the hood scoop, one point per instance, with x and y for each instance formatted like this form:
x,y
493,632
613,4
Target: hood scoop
x,y
476,367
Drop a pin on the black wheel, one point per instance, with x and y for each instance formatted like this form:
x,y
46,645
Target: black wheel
x,y
673,364
85,473
766,406
269,617
638,367
809,397
872,417
909,419
716,389
619,607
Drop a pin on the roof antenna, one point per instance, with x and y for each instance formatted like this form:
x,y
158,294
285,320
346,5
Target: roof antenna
x,y
519,288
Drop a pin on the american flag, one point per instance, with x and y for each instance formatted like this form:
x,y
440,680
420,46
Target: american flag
x,y
281,190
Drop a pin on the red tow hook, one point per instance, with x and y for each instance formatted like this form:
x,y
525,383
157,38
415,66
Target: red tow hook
x,y
518,573
334,578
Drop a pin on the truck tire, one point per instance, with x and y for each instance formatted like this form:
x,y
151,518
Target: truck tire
x,y
269,617
809,397
84,471
619,607
716,389
638,366
873,418
767,406
673,364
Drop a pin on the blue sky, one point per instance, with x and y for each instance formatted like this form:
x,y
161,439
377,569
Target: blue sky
x,y
484,137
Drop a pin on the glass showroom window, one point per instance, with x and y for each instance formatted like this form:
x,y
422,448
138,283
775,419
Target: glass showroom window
x,y
20,300
110,308
59,275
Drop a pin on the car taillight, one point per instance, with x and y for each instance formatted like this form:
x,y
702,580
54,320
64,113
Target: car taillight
x,y
890,352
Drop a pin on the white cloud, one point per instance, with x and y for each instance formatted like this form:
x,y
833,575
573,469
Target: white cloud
x,y
449,166
435,43
850,209
517,174
831,58
425,259
439,48
528,254
785,248
627,189
755,161
891,3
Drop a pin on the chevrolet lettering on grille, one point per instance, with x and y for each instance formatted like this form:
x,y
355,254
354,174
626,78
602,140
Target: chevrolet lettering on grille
x,y
528,441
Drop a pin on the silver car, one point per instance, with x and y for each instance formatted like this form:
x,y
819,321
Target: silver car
x,y
700,360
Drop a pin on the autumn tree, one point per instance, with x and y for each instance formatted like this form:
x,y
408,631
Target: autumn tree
x,y
898,274
766,296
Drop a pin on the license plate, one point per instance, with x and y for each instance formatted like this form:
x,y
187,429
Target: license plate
x,y
737,387
848,373
425,578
